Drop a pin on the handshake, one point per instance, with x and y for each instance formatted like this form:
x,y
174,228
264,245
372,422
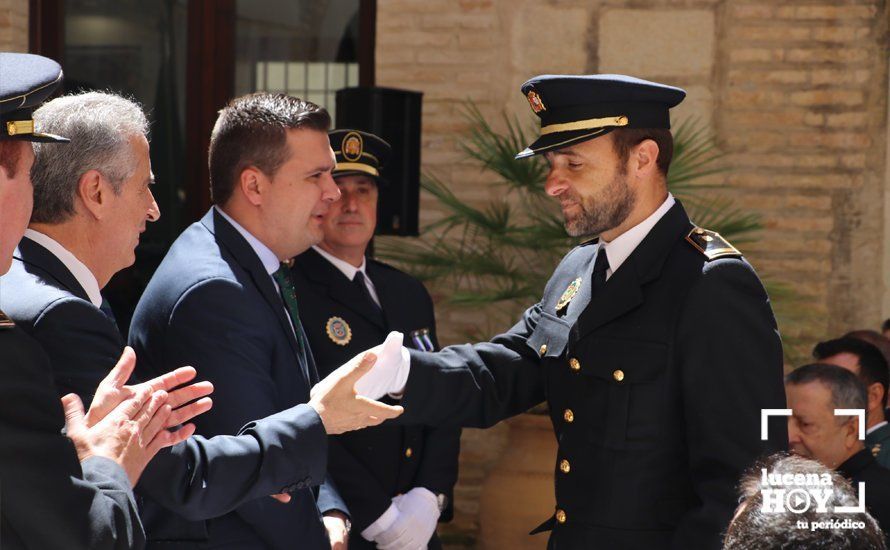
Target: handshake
x,y
346,399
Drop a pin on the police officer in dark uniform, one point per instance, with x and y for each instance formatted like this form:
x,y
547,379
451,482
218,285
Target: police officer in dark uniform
x,y
48,498
654,345
397,481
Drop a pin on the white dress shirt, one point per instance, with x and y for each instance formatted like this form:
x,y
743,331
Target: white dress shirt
x,y
350,270
84,276
621,248
876,427
268,258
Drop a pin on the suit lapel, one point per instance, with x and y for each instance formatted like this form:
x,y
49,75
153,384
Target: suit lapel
x,y
623,292
241,251
340,289
35,256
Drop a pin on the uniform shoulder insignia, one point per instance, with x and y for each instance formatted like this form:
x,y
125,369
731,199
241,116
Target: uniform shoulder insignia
x,y
711,244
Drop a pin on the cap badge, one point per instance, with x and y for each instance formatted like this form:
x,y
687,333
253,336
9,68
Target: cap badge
x,y
535,101
567,296
352,146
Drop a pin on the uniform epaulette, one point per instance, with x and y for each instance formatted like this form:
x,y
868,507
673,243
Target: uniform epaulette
x,y
711,244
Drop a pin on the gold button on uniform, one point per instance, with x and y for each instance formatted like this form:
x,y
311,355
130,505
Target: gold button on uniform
x,y
618,375
408,452
568,416
560,516
564,466
543,349
574,364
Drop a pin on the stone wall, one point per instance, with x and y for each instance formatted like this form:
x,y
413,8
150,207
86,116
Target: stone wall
x,y
795,93
13,25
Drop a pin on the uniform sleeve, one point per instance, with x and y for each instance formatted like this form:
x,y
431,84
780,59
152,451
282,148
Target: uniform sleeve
x,y
730,356
50,500
214,329
441,449
357,485
476,385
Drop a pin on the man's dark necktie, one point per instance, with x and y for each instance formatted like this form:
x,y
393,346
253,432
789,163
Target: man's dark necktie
x,y
359,282
289,295
600,266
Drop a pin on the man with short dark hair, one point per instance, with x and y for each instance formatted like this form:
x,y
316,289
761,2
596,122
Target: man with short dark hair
x,y
816,430
222,300
753,528
91,204
868,364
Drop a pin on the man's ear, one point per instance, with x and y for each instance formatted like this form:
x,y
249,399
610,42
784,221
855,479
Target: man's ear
x,y
94,193
253,183
644,158
876,398
851,432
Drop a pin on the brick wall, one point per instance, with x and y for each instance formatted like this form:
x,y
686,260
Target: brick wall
x,y
794,91
13,25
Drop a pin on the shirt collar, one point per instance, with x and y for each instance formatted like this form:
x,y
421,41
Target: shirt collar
x,y
345,267
267,257
82,273
618,250
875,428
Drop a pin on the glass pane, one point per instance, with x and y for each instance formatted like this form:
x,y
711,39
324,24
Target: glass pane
x,y
137,49
307,47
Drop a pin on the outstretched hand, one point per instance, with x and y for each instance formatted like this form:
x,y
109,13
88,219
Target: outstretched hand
x,y
112,391
341,409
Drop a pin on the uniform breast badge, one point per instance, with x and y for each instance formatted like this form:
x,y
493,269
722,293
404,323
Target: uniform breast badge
x,y
567,296
338,331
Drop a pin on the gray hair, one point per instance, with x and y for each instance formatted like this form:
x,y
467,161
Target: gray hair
x,y
100,126
847,391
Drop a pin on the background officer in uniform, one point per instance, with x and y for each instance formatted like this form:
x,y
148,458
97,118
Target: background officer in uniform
x,y
655,344
58,492
395,480
868,364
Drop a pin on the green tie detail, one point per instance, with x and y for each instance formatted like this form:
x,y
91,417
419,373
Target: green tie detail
x,y
289,295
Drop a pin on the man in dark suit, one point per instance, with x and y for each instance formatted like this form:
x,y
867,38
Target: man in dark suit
x,y
58,492
816,431
395,480
654,345
82,232
222,301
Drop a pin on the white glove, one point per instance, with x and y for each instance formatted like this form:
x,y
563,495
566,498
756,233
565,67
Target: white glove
x,y
412,530
390,373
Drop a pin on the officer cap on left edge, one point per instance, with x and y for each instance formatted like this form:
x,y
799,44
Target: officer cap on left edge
x,y
359,153
576,108
26,81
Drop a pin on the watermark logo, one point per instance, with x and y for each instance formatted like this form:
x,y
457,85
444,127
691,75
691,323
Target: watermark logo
x,y
803,493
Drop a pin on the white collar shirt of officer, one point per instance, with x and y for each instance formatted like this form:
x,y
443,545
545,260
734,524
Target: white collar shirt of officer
x,y
620,248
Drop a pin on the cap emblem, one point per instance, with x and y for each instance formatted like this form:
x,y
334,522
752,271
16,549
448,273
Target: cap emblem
x,y
535,101
352,146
